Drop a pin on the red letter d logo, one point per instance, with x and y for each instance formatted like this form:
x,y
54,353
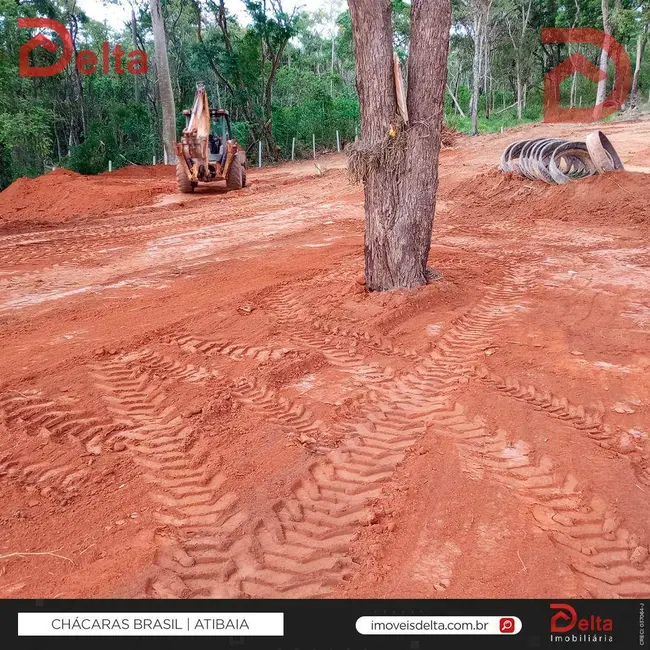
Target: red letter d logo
x,y
561,621
553,112
41,40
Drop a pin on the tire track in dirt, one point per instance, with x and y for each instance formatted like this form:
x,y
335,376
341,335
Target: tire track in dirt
x,y
68,253
457,351
165,366
301,548
41,431
61,472
325,331
365,339
304,549
229,208
215,549
585,419
236,563
205,520
287,304
460,348
237,351
347,360
608,558
292,415
58,419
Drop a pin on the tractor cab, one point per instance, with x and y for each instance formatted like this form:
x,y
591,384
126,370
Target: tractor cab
x,y
219,133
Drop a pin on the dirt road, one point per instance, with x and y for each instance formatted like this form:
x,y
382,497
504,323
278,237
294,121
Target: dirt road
x,y
199,398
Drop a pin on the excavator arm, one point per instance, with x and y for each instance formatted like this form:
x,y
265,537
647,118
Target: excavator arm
x,y
193,147
197,162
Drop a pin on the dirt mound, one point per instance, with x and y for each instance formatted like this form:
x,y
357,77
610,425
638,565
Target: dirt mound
x,y
63,195
615,198
138,172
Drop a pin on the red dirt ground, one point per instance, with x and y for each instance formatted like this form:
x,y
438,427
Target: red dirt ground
x,y
63,195
198,397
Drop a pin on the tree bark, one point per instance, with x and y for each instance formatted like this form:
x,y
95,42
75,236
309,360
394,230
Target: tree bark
x,y
476,73
134,36
574,82
520,96
400,199
601,93
486,72
640,50
267,126
164,82
524,9
456,103
73,28
574,76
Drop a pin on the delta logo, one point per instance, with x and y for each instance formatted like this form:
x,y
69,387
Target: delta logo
x,y
86,60
567,627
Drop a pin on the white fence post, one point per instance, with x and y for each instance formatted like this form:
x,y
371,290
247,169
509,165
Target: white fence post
x,y
356,132
313,141
259,154
165,156
110,165
338,142
154,159
293,149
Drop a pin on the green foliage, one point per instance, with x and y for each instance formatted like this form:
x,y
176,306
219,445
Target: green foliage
x,y
24,142
125,137
304,60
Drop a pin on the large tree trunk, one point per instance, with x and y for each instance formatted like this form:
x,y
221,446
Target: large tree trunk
x,y
574,89
164,82
267,126
574,76
476,74
601,93
640,49
134,36
486,73
520,94
400,198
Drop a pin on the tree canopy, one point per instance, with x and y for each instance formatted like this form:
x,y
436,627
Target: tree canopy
x,y
281,74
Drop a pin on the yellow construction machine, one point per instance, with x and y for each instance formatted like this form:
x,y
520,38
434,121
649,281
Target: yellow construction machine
x,y
207,151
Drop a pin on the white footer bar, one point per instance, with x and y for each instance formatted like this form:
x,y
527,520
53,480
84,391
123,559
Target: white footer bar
x,y
151,624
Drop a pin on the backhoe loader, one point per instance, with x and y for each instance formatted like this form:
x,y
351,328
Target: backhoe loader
x,y
207,151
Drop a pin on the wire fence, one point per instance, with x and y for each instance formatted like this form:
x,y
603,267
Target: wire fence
x,y
299,147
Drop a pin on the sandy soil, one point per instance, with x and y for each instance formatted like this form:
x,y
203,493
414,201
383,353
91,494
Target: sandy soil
x,y
199,398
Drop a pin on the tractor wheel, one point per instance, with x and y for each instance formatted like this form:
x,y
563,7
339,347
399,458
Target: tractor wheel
x,y
185,185
236,175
